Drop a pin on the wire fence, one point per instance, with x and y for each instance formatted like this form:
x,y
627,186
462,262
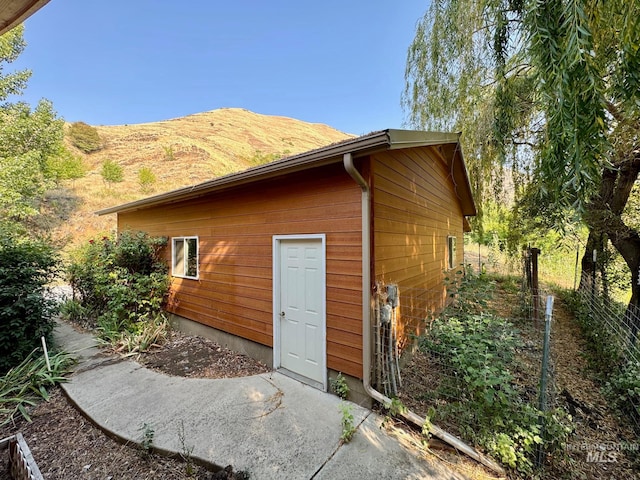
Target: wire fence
x,y
612,329
620,322
479,359
473,356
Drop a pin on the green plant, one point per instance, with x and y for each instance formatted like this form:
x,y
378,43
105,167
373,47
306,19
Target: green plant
x,y
26,313
72,311
348,428
23,384
146,179
169,154
121,286
85,137
259,157
65,166
146,442
111,172
394,408
427,425
480,392
623,388
339,386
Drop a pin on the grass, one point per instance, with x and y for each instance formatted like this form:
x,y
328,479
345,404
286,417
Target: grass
x,y
26,383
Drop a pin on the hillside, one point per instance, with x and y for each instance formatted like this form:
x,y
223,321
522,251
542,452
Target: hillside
x,y
182,151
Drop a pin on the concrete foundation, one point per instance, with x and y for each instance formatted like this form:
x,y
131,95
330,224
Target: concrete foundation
x,y
251,349
262,353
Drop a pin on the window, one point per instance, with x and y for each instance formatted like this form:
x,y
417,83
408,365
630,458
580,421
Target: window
x,y
451,249
184,257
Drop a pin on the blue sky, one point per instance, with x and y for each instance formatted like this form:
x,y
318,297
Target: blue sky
x,y
113,62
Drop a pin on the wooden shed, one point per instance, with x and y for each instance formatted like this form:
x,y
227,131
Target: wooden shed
x,y
282,260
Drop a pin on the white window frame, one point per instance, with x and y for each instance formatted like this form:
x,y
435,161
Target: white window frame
x,y
185,259
452,241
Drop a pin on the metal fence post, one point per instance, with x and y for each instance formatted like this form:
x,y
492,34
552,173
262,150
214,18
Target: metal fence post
x,y
542,405
535,292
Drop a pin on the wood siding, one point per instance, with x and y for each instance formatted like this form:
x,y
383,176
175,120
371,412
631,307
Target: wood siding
x,y
414,210
235,229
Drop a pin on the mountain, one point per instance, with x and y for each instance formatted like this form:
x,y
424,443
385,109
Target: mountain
x,y
180,152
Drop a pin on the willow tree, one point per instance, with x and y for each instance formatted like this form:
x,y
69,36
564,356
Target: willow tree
x,y
549,89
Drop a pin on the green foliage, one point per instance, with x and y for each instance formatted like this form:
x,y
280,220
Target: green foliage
x,y
547,96
604,356
169,154
621,377
394,408
146,442
146,179
65,166
26,313
22,385
111,172
340,387
623,388
348,428
85,137
11,46
29,141
259,157
121,286
482,393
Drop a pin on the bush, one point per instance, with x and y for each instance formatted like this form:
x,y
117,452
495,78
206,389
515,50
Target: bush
x,y
111,172
85,137
65,166
119,287
146,179
26,314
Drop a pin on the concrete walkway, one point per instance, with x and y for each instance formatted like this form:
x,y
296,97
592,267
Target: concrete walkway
x,y
269,425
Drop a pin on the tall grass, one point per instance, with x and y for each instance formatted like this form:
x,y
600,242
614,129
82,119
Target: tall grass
x,y
26,383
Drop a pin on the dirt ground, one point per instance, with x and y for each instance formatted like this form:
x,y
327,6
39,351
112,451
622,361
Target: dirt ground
x,y
67,446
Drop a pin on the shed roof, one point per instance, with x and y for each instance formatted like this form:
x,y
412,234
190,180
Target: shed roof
x,y
390,139
13,12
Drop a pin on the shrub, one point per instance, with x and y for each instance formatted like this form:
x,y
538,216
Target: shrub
x,y
26,313
85,137
111,172
120,286
146,179
65,166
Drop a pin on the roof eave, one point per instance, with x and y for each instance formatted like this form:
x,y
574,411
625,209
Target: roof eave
x,y
17,11
376,141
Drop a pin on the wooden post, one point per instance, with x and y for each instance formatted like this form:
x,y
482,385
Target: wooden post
x,y
534,281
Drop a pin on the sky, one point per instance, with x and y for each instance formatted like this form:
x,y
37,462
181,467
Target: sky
x,y
115,62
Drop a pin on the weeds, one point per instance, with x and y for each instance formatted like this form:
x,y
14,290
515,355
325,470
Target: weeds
x,y
339,386
480,391
348,428
27,382
393,408
146,443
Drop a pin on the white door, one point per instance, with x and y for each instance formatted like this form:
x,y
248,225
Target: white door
x,y
300,300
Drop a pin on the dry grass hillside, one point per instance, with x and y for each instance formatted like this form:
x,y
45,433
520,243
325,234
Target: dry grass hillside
x,y
180,152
